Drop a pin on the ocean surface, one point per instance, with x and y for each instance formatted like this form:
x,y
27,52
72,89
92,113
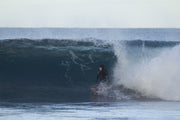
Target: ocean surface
x,y
46,73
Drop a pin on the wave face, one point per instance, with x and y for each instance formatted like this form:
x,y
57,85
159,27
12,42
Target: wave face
x,y
63,70
31,68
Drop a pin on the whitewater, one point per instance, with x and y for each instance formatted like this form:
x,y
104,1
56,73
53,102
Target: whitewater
x,y
51,70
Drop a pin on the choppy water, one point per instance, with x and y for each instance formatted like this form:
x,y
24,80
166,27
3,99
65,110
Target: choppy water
x,y
125,110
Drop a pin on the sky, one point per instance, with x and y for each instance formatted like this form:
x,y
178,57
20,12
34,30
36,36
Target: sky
x,y
90,13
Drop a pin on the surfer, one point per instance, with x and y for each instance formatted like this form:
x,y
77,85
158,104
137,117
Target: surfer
x,y
102,74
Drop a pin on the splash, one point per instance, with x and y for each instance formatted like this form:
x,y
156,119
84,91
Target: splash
x,y
153,77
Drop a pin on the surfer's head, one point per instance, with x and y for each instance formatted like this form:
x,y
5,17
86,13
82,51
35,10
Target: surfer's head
x,y
101,67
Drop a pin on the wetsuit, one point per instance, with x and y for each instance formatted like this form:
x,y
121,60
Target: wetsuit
x,y
102,75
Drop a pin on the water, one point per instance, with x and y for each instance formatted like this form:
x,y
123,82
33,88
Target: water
x,y
88,33
46,73
125,110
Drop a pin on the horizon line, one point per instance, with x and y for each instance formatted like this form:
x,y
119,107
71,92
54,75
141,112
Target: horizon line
x,y
99,27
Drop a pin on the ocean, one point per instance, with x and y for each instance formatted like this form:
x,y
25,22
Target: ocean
x,y
46,73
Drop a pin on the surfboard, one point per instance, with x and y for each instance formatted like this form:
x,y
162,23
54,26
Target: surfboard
x,y
94,89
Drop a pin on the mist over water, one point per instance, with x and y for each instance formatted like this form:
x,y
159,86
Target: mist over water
x,y
154,72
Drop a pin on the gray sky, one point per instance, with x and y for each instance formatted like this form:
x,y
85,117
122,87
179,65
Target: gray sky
x,y
90,13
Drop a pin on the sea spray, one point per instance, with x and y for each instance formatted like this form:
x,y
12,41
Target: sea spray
x,y
160,76
122,74
153,77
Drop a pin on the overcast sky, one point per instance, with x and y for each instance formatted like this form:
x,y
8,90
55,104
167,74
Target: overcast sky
x,y
90,13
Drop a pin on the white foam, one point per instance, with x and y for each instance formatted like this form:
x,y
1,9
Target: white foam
x,y
156,77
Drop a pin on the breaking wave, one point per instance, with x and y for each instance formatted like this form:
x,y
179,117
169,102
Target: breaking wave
x,y
61,70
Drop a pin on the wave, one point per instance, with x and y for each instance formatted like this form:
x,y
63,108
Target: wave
x,y
155,74
60,70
